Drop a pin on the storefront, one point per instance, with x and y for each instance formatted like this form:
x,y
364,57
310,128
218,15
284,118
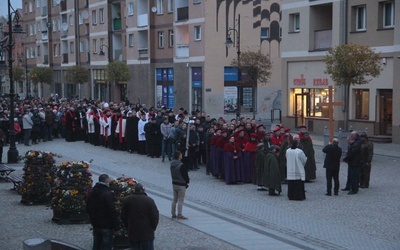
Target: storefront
x,y
165,87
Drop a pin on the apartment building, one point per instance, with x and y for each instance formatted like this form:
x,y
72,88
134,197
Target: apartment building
x,y
175,49
309,30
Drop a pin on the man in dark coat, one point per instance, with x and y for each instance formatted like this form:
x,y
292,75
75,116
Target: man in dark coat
x,y
273,177
153,138
140,215
353,159
70,125
367,153
131,131
102,214
307,146
332,165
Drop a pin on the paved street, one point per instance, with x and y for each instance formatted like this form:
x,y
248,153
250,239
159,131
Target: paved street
x,y
228,216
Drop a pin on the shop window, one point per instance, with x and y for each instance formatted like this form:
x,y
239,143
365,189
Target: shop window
x,y
362,104
318,96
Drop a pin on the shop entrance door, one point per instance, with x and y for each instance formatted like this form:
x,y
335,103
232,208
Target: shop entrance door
x,y
302,109
385,112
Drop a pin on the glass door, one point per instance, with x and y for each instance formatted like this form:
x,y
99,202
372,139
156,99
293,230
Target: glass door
x,y
302,109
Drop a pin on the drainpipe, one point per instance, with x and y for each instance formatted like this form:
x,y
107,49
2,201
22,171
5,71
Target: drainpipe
x,y
345,90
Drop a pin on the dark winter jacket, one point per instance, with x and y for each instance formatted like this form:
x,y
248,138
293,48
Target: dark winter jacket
x,y
101,208
332,158
140,215
179,173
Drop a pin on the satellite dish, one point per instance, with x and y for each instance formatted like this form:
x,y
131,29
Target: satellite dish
x,y
57,1
64,26
85,14
154,9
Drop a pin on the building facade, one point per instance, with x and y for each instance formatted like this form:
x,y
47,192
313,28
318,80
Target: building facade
x,y
175,51
309,30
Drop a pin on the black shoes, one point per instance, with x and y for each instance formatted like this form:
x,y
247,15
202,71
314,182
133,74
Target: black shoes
x,y
345,189
351,192
328,194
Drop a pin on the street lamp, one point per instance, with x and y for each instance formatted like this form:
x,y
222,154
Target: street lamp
x,y
229,43
17,29
109,60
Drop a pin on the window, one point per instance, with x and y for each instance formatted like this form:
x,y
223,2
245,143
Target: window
x,y
54,25
26,8
197,33
38,50
264,32
130,9
33,52
71,48
55,50
294,22
170,6
360,18
37,4
30,7
94,17
160,8
31,30
101,15
71,20
362,104
171,38
388,14
80,19
81,46
94,46
27,53
196,1
131,41
161,39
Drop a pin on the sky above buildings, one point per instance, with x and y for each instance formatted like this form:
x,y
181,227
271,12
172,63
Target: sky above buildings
x,y
16,4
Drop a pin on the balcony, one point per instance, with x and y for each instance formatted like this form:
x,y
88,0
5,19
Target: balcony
x,y
182,13
44,11
45,36
182,50
65,58
64,34
118,55
322,39
63,5
116,23
143,53
143,20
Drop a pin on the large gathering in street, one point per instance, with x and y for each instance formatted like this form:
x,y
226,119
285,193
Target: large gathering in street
x,y
179,124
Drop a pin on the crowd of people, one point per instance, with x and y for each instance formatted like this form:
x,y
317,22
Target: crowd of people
x,y
235,151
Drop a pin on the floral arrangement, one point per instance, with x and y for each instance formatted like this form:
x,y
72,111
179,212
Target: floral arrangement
x,y
36,157
73,185
39,175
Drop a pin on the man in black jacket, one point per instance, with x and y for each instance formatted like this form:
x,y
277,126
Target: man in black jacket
x,y
103,217
140,215
332,165
353,159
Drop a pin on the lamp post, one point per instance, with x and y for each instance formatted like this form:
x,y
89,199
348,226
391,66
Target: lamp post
x,y
229,43
12,151
109,60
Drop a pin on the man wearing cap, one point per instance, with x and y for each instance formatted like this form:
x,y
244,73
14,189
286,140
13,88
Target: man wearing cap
x,y
140,215
303,130
332,165
353,160
275,137
367,153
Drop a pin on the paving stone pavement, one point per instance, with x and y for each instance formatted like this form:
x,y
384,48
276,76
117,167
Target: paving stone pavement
x,y
229,216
